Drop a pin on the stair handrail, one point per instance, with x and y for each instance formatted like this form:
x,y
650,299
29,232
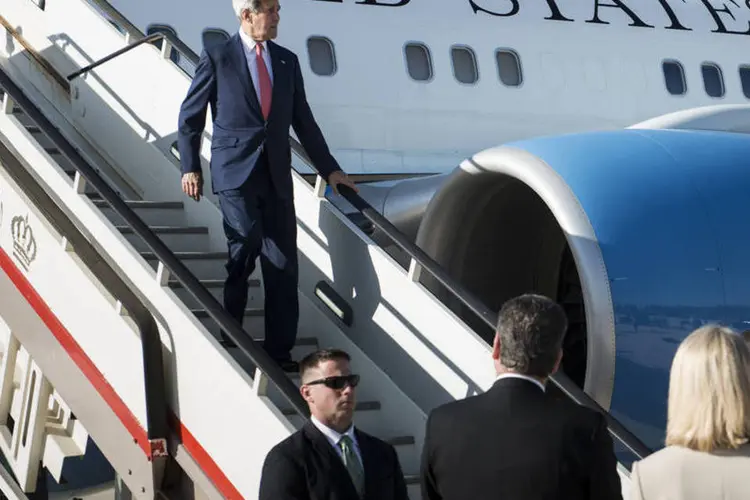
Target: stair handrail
x,y
559,379
157,416
148,39
427,263
232,328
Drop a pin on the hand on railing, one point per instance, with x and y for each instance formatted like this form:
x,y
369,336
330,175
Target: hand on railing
x,y
339,178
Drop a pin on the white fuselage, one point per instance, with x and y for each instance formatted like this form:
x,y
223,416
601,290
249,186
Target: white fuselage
x,y
576,74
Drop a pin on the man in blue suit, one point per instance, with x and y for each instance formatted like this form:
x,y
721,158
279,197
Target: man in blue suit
x,y
255,90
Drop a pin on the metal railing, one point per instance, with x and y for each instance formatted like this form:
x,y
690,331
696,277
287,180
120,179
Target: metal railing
x,y
425,262
418,256
151,38
157,416
247,345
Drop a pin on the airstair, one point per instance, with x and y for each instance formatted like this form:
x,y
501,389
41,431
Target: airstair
x,y
112,381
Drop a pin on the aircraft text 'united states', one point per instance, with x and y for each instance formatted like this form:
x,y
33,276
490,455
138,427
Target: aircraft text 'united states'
x,y
730,17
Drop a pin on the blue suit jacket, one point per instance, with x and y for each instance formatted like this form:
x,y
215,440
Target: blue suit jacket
x,y
222,80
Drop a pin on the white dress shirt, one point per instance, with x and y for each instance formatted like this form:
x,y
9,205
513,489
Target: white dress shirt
x,y
524,377
334,437
248,44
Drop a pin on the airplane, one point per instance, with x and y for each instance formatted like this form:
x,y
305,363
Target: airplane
x,y
561,187
416,86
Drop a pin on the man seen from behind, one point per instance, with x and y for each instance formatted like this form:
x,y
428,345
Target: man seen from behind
x,y
515,441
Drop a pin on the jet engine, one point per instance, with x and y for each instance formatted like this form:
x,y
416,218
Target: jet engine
x,y
641,234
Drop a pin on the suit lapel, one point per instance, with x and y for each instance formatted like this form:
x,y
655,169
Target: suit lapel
x,y
324,448
279,67
243,73
369,464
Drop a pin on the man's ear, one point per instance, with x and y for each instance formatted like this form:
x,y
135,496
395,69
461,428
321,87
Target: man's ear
x,y
306,392
496,348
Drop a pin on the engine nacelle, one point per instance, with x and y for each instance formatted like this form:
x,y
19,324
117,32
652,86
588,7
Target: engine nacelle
x,y
640,234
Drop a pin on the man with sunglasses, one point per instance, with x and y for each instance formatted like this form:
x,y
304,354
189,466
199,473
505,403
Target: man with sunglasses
x,y
329,457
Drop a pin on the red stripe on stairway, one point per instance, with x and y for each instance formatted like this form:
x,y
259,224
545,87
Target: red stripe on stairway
x,y
75,352
204,461
107,392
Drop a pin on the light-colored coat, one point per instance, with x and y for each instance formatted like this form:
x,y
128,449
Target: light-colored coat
x,y
681,473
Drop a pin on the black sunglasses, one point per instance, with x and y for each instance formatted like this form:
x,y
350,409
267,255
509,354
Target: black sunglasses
x,y
337,382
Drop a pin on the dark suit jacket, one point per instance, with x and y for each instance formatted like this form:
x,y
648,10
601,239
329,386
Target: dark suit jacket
x,y
222,80
516,443
305,466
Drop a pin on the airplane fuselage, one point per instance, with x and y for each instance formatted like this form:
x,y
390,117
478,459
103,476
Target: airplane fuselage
x,y
567,66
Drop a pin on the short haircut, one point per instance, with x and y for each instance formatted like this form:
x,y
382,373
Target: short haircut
x,y
531,329
709,391
314,359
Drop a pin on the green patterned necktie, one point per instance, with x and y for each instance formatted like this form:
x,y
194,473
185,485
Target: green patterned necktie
x,y
352,464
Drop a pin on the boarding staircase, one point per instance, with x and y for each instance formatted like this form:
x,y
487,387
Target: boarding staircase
x,y
113,382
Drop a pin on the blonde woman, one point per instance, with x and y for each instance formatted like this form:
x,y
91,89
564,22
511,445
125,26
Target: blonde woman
x,y
707,455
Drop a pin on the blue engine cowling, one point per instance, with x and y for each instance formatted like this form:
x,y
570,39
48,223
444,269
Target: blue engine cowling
x,y
640,234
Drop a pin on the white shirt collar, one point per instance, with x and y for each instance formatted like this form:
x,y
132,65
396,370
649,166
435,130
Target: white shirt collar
x,y
250,43
524,377
333,436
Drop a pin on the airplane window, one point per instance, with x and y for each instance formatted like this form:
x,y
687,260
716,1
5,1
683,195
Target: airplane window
x,y
674,77
713,80
509,67
418,62
213,36
464,65
321,54
745,79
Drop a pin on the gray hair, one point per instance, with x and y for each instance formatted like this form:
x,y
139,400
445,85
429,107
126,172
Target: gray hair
x,y
531,329
242,5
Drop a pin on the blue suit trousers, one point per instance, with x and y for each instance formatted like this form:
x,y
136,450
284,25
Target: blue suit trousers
x,y
257,222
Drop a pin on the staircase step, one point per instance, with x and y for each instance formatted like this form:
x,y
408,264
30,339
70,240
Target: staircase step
x,y
180,238
216,288
56,449
302,346
211,283
157,213
204,265
401,441
253,321
406,450
142,204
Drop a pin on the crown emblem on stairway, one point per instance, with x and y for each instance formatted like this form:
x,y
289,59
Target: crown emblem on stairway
x,y
24,243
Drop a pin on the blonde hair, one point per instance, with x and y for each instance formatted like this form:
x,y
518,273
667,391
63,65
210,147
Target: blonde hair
x,y
709,391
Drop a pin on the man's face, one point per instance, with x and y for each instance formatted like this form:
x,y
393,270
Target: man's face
x,y
264,24
333,402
